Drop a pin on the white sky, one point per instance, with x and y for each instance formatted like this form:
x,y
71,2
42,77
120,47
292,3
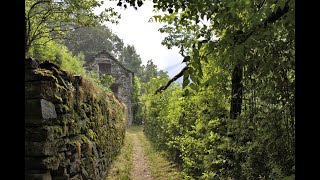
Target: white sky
x,y
134,29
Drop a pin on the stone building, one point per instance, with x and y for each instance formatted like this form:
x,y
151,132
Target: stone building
x,y
104,63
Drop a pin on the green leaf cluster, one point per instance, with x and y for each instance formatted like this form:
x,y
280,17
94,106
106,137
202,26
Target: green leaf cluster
x,y
52,19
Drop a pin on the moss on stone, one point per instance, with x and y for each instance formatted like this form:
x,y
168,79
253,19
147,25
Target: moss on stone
x,y
88,121
58,131
84,138
52,162
92,135
45,73
66,108
75,128
58,98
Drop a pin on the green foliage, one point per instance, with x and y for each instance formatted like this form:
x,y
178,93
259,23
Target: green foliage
x,y
59,54
91,40
130,58
160,166
192,124
137,105
122,166
51,19
157,121
46,24
150,70
104,81
199,135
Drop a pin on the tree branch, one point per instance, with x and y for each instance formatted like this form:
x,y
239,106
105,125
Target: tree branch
x,y
241,37
34,5
260,5
32,37
43,19
164,87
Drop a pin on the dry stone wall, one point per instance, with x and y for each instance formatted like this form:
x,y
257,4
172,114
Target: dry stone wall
x,y
73,130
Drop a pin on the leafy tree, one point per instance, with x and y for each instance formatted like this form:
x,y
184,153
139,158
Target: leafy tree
x,y
150,70
137,105
131,59
91,40
52,18
59,54
234,23
248,70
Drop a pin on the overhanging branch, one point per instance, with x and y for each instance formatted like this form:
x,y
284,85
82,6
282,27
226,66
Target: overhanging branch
x,y
241,37
164,87
34,5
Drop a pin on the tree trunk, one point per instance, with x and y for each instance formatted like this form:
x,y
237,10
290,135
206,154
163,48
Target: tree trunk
x,y
26,49
236,92
27,37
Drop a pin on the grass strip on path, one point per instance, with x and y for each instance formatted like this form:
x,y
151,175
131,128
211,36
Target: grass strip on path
x,y
161,168
122,166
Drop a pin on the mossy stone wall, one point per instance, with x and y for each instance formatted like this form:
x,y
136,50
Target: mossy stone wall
x,y
73,129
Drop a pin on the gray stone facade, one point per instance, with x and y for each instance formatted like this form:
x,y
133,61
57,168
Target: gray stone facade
x,y
105,63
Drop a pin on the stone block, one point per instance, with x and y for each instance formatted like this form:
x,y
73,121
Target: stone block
x,y
65,163
36,134
45,133
76,177
38,176
40,148
46,148
61,171
43,163
43,90
37,90
29,75
39,111
40,75
31,63
34,163
65,177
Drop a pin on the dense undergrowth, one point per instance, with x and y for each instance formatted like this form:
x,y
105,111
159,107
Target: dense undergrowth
x,y
198,134
195,129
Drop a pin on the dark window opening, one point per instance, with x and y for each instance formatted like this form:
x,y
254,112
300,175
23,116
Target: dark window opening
x,y
115,89
105,68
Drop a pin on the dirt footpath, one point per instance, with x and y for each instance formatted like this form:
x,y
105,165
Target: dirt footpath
x,y
141,170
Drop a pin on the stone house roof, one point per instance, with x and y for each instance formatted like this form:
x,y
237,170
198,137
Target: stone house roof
x,y
113,59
